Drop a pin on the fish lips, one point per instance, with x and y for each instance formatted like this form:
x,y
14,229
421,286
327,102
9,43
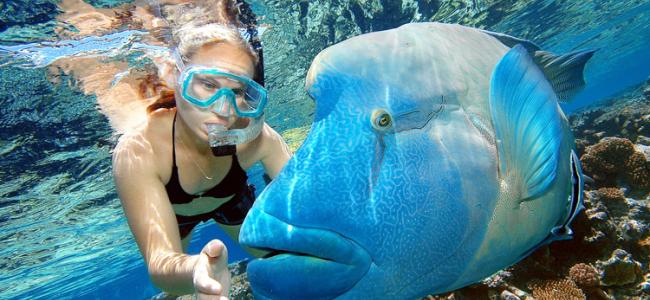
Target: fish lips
x,y
309,263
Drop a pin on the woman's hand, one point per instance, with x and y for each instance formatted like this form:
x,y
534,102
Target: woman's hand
x,y
211,277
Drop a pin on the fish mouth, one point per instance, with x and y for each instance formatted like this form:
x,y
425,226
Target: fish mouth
x,y
303,263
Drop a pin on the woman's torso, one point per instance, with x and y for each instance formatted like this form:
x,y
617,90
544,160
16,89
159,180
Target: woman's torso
x,y
197,174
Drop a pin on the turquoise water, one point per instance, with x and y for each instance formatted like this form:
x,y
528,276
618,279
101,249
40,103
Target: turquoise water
x,y
64,234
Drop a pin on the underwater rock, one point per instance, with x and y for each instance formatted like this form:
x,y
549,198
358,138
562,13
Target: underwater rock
x,y
620,269
614,219
507,295
555,289
498,280
643,141
23,13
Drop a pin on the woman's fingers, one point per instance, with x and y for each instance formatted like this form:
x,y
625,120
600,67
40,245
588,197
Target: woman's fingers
x,y
200,296
203,281
211,275
214,248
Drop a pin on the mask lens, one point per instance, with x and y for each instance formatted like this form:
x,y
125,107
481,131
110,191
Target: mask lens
x,y
203,87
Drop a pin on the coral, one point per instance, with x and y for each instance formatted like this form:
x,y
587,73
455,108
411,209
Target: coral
x,y
240,287
638,170
620,269
555,289
584,275
614,200
616,161
606,159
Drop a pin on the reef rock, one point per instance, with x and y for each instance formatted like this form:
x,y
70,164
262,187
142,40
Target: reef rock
x,y
620,269
15,13
507,295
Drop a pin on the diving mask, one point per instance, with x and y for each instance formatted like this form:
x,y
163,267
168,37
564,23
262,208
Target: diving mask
x,y
224,92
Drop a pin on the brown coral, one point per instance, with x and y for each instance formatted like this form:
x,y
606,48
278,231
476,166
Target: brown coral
x,y
614,200
585,276
615,159
556,289
607,158
638,171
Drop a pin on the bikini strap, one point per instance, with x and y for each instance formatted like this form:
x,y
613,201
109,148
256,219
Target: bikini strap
x,y
174,140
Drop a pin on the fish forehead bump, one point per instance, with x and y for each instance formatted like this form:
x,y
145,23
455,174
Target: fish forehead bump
x,y
422,59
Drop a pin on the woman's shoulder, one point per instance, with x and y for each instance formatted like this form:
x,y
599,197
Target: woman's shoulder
x,y
148,143
262,146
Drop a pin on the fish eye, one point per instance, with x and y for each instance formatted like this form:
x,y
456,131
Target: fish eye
x,y
381,120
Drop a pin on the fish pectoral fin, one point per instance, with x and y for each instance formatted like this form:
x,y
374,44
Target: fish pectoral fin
x,y
565,72
527,121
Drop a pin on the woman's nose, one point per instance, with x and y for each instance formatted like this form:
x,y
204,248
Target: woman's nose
x,y
223,107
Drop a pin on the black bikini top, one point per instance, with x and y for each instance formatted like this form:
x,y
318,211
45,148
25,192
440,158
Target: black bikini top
x,y
232,184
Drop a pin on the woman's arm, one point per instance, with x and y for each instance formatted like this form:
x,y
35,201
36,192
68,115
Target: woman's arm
x,y
151,216
275,152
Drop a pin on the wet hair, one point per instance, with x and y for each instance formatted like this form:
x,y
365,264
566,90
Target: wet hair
x,y
193,25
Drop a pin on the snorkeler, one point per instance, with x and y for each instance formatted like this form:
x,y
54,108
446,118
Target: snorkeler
x,y
187,163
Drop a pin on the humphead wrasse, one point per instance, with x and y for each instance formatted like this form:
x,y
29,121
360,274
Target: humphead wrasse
x,y
439,154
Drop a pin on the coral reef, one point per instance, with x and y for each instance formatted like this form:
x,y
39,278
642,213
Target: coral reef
x,y
615,162
585,276
239,287
620,269
624,116
610,251
555,289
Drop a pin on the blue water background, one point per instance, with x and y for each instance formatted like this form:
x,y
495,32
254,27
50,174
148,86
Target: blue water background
x,y
63,231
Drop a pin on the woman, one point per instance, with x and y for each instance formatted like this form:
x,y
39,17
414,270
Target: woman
x,y
187,163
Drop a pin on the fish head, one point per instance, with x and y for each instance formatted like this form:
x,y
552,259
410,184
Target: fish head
x,y
368,205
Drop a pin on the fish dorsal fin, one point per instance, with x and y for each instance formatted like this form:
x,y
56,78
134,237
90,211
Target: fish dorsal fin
x,y
527,121
564,72
512,41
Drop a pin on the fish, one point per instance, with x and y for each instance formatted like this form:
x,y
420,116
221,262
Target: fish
x,y
439,154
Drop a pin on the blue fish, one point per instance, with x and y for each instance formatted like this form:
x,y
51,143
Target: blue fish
x,y
438,155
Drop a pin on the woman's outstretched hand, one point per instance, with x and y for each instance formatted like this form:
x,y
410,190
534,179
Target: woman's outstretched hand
x,y
211,277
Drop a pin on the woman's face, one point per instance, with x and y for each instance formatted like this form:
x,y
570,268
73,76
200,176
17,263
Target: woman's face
x,y
225,57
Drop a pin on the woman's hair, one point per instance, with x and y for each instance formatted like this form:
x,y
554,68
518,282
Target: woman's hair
x,y
190,26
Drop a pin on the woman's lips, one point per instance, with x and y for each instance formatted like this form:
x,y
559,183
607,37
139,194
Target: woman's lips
x,y
207,124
